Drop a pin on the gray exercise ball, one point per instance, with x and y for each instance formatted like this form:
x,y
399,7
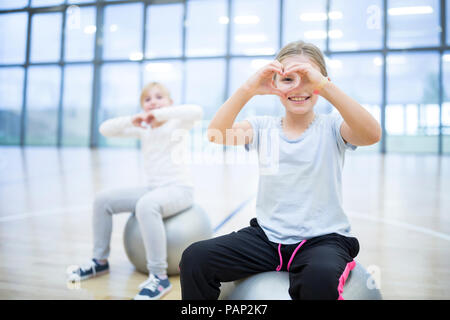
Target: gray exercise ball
x,y
182,229
274,285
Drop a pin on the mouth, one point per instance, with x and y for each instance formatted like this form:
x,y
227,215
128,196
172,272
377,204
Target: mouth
x,y
299,99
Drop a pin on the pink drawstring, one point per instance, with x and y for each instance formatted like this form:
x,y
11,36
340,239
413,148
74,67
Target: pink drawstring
x,y
281,259
293,254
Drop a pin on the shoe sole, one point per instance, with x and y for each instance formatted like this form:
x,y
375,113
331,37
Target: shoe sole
x,y
162,294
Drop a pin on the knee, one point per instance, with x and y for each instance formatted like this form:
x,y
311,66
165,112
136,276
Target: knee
x,y
317,282
146,206
194,259
102,202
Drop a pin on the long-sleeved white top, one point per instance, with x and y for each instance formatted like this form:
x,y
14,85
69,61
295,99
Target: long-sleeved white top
x,y
159,145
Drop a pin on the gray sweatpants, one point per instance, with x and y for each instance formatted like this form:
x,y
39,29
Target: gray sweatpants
x,y
150,206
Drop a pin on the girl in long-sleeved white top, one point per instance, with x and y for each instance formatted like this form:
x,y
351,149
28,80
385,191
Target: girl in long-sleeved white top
x,y
168,190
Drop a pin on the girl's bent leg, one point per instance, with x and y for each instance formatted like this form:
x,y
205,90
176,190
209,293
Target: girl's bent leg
x,y
151,208
205,264
319,265
106,204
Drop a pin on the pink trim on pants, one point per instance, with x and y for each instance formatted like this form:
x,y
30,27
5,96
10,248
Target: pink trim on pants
x,y
349,267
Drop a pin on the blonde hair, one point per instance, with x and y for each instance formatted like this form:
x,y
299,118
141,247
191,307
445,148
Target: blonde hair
x,y
152,85
309,50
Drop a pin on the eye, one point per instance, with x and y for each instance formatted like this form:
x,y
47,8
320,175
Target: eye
x,y
287,79
147,99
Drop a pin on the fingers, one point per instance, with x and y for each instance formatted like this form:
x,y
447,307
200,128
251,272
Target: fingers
x,y
298,67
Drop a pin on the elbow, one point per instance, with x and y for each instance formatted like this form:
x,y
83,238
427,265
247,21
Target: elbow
x,y
375,137
214,135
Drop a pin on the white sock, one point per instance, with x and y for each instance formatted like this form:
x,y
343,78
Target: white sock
x,y
162,276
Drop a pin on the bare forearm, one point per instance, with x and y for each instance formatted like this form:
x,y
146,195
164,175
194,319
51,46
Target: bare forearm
x,y
360,121
227,113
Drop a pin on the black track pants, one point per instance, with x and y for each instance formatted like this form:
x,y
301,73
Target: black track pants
x,y
316,266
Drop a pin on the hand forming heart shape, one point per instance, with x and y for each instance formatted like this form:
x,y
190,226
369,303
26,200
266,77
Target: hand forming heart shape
x,y
287,83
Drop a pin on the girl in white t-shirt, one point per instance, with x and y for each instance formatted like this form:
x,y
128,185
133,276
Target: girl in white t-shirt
x,y
168,190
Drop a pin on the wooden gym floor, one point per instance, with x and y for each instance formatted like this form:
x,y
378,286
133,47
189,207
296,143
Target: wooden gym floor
x,y
399,207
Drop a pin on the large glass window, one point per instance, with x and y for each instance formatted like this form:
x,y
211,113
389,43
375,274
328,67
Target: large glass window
x,y
46,37
164,30
305,20
77,105
254,27
199,87
120,94
209,41
355,24
446,103
11,93
169,73
13,37
43,91
412,112
187,44
413,23
122,32
80,33
359,76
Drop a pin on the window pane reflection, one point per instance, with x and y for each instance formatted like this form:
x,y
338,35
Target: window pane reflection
x,y
305,20
414,23
359,76
123,32
80,33
13,36
46,37
13,4
208,41
45,3
254,27
42,104
77,105
446,103
199,87
11,86
412,113
355,24
164,30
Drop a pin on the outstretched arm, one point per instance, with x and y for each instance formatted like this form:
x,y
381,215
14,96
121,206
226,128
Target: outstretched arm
x,y
120,127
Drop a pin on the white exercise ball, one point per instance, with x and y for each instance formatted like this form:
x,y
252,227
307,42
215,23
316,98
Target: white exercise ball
x,y
182,229
274,285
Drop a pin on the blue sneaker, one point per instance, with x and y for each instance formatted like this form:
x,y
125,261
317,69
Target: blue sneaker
x,y
92,269
154,288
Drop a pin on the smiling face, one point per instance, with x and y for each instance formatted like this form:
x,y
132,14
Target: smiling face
x,y
155,98
300,100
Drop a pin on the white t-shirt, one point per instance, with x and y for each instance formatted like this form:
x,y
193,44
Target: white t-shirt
x,y
300,181
159,145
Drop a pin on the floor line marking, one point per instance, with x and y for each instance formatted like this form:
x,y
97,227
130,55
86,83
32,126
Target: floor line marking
x,y
400,224
232,214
